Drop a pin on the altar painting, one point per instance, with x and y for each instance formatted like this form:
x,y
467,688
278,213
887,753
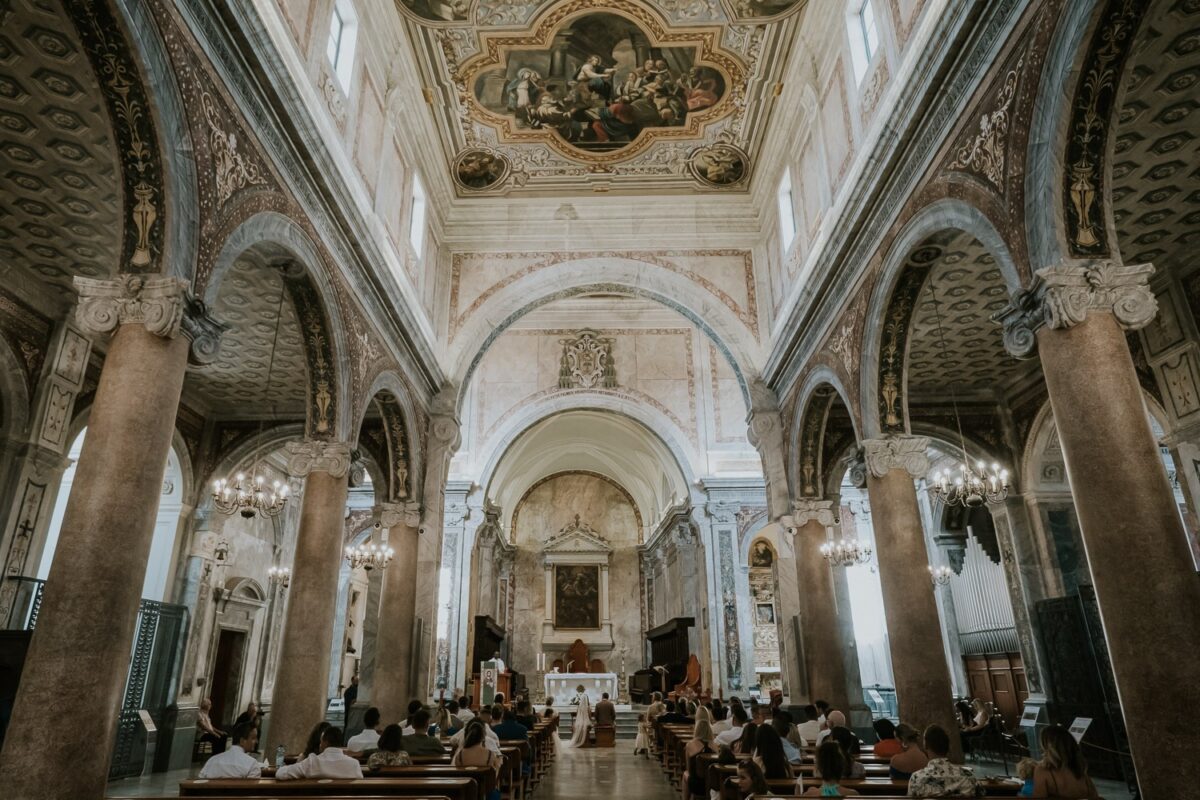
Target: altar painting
x,y
576,597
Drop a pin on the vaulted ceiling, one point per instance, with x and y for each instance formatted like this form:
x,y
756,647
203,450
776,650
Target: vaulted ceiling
x,y
541,96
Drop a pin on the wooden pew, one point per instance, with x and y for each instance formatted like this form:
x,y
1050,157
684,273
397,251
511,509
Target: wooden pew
x,y
452,788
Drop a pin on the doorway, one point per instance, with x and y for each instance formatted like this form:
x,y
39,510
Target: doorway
x,y
227,676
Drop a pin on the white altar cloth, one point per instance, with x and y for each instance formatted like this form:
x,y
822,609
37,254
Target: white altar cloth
x,y
560,686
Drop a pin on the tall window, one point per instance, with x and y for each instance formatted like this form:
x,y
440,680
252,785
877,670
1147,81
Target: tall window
x,y
343,29
787,212
416,220
864,36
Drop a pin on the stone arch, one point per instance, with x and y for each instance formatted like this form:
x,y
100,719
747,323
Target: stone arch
x,y
302,271
940,216
813,445
656,425
395,443
1068,208
732,336
14,394
267,441
179,174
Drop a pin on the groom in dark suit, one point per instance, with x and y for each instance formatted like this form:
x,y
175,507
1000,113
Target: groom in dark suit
x,y
605,712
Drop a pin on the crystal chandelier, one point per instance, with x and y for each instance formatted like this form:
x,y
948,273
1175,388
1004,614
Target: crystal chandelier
x,y
251,495
940,576
846,552
966,486
370,556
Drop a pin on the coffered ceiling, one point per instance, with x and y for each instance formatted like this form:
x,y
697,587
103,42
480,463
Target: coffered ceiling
x,y
546,96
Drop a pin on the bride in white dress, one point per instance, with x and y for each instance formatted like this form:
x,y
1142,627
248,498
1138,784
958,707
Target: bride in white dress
x,y
583,718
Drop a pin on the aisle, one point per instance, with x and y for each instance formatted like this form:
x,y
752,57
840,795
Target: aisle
x,y
596,773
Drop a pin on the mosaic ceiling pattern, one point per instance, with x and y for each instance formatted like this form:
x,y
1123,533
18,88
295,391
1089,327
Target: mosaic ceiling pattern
x,y
621,94
968,288
59,209
236,384
1156,161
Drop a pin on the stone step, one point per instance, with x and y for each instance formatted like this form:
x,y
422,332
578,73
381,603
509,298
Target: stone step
x,y
627,724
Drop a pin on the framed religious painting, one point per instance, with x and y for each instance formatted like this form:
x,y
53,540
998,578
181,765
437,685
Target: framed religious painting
x,y
577,596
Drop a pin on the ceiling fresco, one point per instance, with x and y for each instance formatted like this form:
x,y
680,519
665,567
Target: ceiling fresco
x,y
622,95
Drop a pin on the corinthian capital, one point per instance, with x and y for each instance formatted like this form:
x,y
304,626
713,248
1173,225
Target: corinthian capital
x,y
897,452
312,455
156,302
393,515
807,510
1062,296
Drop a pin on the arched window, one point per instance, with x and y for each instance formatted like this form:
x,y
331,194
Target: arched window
x,y
864,36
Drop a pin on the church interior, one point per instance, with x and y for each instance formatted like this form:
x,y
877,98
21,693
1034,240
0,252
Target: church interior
x,y
483,399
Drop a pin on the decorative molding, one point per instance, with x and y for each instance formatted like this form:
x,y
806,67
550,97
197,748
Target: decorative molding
x,y
901,452
986,154
587,362
203,330
318,456
806,510
155,302
393,515
1062,296
233,170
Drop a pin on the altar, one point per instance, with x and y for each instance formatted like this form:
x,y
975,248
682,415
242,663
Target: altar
x,y
560,686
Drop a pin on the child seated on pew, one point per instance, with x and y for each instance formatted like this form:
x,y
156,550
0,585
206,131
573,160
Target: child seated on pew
x,y
1025,768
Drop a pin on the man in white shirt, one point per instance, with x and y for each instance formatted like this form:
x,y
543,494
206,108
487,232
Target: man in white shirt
x,y
236,762
368,739
722,722
406,729
331,762
465,714
490,740
811,726
740,718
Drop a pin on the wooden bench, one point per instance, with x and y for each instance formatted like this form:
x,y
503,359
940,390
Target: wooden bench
x,y
451,788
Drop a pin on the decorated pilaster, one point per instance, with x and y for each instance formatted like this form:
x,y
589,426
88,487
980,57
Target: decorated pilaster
x,y
459,522
923,688
79,654
725,614
1077,315
302,680
395,663
822,649
766,434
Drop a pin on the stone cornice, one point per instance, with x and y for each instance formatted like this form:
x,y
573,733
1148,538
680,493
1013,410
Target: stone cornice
x,y
906,453
926,115
312,455
820,511
1062,296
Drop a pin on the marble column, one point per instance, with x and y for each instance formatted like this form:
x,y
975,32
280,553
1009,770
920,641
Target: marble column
x,y
78,658
821,639
923,688
397,610
301,690
1136,547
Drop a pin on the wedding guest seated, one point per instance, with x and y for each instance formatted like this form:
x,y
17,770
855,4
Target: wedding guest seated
x,y
973,731
445,723
673,716
810,727
1024,770
313,745
1062,773
744,744
734,732
419,742
793,734
694,784
209,732
368,738
475,752
831,767
851,748
656,707
548,714
509,728
791,752
491,740
769,753
834,719
465,714
331,762
390,750
413,707
888,745
911,756
721,720
750,781
251,715
525,714
940,778
823,709
236,761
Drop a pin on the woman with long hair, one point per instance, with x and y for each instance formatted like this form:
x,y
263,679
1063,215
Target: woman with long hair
x,y
744,746
694,784
768,752
313,745
750,781
583,718
831,766
474,753
851,747
1062,772
911,756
